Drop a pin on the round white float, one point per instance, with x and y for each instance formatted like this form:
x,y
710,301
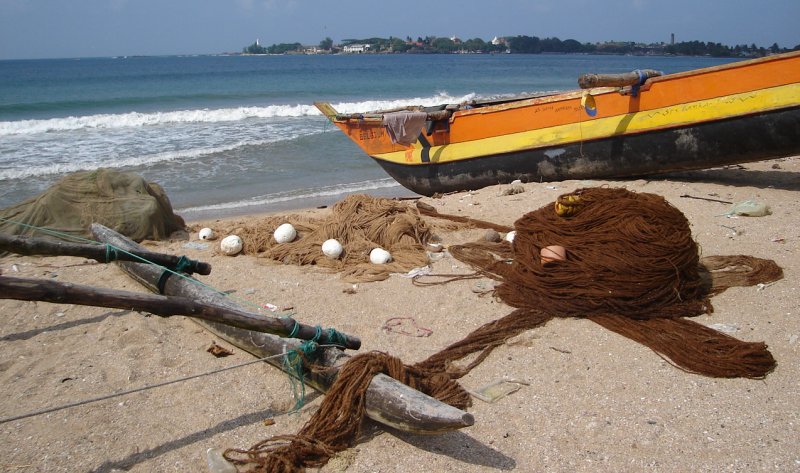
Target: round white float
x,y
206,234
510,236
332,248
379,256
285,233
231,245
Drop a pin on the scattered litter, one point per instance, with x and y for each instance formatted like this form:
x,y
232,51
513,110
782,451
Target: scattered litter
x,y
748,208
552,188
734,231
406,326
195,246
436,256
270,307
513,189
778,240
725,328
434,247
423,271
482,287
498,389
218,351
762,286
15,268
217,463
561,350
350,290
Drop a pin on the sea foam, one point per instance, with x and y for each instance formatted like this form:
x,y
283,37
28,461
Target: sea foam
x,y
138,119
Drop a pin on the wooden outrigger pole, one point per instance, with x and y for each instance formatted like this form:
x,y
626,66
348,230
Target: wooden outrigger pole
x,y
23,245
166,306
387,400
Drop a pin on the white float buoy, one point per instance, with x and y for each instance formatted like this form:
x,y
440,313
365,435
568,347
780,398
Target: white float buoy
x,y
231,245
285,233
332,248
206,234
379,256
510,236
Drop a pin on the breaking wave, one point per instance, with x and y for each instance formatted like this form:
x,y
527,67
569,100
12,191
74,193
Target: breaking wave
x,y
137,119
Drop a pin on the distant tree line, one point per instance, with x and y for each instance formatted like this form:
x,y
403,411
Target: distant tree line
x,y
521,45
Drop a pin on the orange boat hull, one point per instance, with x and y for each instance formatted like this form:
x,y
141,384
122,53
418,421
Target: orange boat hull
x,y
739,112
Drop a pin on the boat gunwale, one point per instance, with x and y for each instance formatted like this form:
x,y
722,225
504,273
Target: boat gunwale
x,y
376,118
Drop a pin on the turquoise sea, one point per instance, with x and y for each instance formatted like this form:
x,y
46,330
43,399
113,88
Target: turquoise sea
x,y
230,135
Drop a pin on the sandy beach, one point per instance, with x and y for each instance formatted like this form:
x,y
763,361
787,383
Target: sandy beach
x,y
591,399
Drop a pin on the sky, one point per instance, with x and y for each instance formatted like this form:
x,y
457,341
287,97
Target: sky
x,y
32,29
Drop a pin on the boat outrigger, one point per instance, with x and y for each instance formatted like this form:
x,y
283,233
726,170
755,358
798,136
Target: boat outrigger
x,y
387,401
629,125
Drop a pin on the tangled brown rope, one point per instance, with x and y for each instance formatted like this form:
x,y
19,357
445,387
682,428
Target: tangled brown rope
x,y
631,267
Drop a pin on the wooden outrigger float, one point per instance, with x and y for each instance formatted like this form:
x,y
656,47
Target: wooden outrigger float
x,y
387,400
636,124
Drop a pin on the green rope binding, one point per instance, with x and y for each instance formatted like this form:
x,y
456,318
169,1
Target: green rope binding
x,y
293,365
336,338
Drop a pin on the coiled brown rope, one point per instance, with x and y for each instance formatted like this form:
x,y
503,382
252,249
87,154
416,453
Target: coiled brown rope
x,y
631,266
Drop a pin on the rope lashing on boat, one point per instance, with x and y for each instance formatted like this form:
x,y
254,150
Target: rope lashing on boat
x,y
295,360
111,253
183,264
642,79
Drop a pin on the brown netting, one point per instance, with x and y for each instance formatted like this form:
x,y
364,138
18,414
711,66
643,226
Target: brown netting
x,y
631,267
124,202
360,223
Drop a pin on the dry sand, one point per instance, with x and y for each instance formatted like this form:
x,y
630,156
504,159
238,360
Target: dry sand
x,y
596,401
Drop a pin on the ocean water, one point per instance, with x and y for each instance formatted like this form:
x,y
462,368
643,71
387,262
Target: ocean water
x,y
227,135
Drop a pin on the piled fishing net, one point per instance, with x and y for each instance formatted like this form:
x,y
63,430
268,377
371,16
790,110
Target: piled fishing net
x,y
360,223
631,266
124,202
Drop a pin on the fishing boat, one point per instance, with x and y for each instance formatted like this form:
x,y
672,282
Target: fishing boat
x,y
616,126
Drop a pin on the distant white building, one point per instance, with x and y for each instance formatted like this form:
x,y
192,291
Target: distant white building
x,y
356,48
498,41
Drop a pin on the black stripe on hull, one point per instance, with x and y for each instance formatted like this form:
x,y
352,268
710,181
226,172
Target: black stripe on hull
x,y
733,141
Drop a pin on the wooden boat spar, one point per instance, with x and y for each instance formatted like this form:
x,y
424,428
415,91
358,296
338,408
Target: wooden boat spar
x,y
387,401
739,112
